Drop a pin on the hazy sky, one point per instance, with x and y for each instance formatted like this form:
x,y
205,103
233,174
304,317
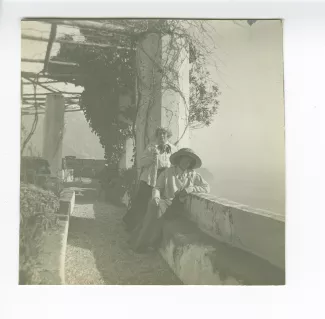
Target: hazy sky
x,y
246,153
249,127
244,146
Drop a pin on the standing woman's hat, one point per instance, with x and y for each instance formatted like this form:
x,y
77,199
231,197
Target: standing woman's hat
x,y
186,152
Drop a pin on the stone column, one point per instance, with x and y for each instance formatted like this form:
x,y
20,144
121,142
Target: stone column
x,y
176,90
126,160
53,132
163,86
125,101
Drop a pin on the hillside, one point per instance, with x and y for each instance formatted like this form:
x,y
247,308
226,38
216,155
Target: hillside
x,y
78,140
206,174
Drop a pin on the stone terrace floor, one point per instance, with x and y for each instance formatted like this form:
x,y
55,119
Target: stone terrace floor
x,y
97,250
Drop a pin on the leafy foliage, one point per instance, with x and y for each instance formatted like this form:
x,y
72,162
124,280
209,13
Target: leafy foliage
x,y
29,148
37,215
129,185
203,97
116,183
110,72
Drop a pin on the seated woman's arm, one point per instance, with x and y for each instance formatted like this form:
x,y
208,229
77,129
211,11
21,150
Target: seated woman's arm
x,y
199,185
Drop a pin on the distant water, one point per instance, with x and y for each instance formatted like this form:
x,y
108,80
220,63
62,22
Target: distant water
x,y
266,192
255,196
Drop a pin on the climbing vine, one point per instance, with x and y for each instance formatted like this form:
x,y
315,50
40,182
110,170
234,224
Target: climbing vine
x,y
108,72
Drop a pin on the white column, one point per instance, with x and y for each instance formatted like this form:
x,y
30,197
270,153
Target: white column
x,y
125,101
126,160
163,99
53,132
149,88
176,90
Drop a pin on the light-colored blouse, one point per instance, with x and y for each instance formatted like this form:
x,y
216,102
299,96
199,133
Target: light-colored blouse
x,y
150,167
174,179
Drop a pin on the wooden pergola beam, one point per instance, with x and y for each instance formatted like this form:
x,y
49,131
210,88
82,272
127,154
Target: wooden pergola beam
x,y
59,77
32,60
49,46
68,103
40,99
89,44
38,94
48,76
33,98
49,62
44,82
86,24
32,106
39,113
28,75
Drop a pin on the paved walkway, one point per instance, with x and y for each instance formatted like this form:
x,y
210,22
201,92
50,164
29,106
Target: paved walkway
x,y
97,251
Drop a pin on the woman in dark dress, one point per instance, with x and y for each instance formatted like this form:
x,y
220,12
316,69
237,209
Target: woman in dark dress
x,y
154,160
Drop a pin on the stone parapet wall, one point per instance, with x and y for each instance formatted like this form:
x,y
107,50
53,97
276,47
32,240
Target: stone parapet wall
x,y
54,250
199,259
256,231
219,242
42,255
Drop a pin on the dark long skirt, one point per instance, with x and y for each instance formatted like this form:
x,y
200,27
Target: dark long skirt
x,y
139,206
149,232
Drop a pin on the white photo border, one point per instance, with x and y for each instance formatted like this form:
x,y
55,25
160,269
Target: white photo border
x,y
304,67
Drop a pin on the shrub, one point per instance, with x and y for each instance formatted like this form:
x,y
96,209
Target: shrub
x,y
37,215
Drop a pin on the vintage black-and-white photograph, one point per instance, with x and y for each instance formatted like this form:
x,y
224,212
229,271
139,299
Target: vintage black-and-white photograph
x,y
152,152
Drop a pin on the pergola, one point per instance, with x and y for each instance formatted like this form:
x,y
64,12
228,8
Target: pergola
x,y
156,50
43,76
160,100
162,85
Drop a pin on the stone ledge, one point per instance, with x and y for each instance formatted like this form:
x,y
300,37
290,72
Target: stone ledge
x,y
198,259
53,253
258,232
67,200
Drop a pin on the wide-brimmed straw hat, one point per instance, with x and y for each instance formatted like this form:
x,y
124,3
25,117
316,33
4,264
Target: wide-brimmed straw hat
x,y
186,152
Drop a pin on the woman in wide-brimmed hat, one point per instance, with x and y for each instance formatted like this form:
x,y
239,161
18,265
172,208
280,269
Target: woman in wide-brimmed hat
x,y
154,160
168,196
